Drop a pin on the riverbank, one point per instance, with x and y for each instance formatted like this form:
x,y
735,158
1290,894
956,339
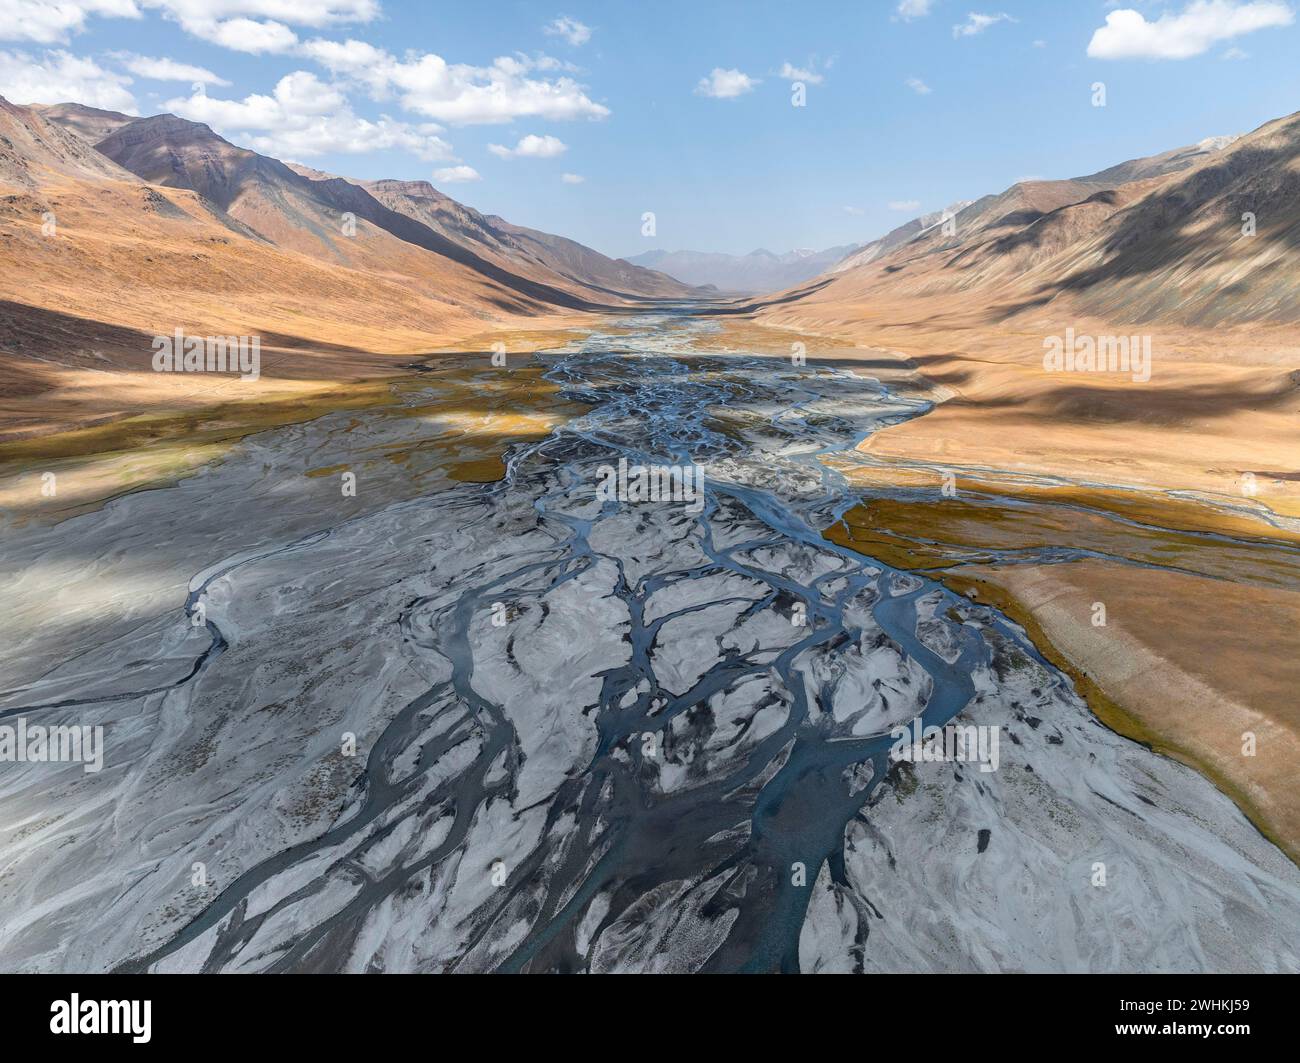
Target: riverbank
x,y
589,734
149,430
1165,670
1129,496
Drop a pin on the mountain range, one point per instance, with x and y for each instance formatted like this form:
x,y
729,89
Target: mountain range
x,y
1194,251
758,271
114,229
1170,237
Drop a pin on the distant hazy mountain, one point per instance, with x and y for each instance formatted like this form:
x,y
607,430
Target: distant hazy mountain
x,y
758,271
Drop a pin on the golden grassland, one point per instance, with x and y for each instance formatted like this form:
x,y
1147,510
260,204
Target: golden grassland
x,y
1221,403
1196,652
1179,666
475,415
1193,655
480,411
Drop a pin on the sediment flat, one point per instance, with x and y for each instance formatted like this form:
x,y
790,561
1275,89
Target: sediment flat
x,y
1061,466
449,725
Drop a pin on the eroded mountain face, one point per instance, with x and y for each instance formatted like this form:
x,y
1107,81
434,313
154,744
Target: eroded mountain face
x,y
1165,239
449,726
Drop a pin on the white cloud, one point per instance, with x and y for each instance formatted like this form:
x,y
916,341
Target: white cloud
x,y
1236,53
248,35
352,58
531,147
905,204
453,175
295,12
164,69
910,9
244,25
918,86
305,117
976,23
572,178
259,26
1128,35
726,84
855,212
455,92
52,21
61,77
798,73
570,29
511,87
548,64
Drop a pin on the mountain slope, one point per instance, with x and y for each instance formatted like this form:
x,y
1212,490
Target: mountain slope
x,y
1093,237
1183,252
970,314
319,216
1028,223
90,123
96,261
526,250
34,149
309,211
578,262
901,235
1159,165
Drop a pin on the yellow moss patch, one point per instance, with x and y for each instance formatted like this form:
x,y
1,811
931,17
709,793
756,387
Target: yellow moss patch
x,y
1176,679
1153,507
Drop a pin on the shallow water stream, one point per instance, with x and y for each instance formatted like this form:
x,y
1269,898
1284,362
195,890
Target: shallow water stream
x,y
589,735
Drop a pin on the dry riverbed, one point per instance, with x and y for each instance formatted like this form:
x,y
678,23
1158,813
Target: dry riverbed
x,y
442,724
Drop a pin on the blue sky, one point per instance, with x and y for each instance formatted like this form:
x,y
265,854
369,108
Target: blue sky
x,y
679,108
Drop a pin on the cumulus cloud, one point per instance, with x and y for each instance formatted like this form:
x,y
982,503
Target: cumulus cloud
x,y
799,73
1193,31
58,77
457,92
854,212
260,26
910,9
976,23
243,25
247,35
305,117
354,59
510,87
570,29
572,178
454,175
315,13
918,86
46,22
164,69
531,147
726,84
